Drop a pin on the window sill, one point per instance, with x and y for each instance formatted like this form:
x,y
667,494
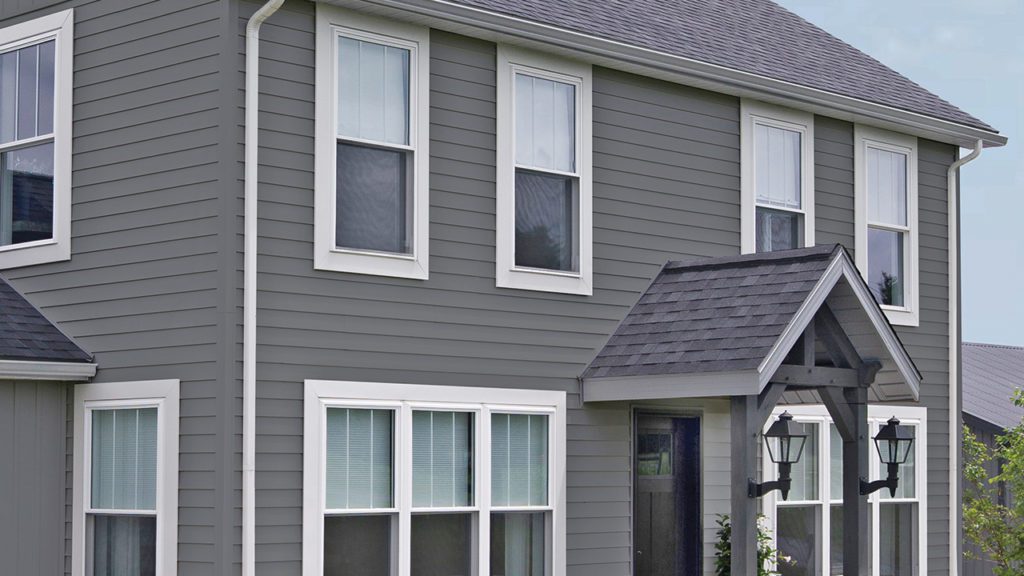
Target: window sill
x,y
545,281
33,253
901,316
372,263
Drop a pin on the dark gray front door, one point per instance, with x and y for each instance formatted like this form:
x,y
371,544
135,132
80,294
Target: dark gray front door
x,y
667,517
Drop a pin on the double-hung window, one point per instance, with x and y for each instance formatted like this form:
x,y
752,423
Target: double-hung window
x,y
777,178
544,173
35,141
409,480
886,215
126,476
808,527
372,145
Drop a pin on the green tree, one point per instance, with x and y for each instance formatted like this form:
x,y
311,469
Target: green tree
x,y
996,525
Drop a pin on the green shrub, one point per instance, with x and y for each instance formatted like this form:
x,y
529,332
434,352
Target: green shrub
x,y
768,558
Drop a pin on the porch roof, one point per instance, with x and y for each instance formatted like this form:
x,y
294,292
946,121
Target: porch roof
x,y
723,326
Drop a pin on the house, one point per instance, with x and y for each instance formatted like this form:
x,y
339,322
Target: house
x,y
469,286
991,375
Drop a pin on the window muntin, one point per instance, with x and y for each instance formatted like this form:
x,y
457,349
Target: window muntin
x,y
447,503
35,132
544,173
777,178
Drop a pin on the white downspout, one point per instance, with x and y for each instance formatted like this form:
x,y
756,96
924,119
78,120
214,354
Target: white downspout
x,y
954,357
252,110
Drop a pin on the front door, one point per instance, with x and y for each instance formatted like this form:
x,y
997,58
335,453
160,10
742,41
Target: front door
x,y
667,511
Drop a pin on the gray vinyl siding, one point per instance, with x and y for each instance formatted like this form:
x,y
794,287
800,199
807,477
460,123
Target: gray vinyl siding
x,y
833,182
32,479
145,289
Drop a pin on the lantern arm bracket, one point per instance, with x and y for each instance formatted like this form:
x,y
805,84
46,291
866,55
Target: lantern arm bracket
x,y
890,482
758,489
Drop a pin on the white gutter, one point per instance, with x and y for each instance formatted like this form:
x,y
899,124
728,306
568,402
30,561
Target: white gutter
x,y
252,110
58,371
955,513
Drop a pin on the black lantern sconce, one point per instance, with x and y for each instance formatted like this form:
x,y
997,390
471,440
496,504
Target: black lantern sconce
x,y
785,439
893,443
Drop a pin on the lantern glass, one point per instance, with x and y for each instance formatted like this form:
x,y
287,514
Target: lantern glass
x,y
893,442
785,440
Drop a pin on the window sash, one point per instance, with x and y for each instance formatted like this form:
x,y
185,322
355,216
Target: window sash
x,y
766,156
411,79
577,84
11,54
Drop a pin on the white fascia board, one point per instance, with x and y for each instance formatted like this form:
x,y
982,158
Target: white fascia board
x,y
57,371
665,386
612,54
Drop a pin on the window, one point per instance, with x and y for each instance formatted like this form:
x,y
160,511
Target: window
x,y
35,141
126,479
809,526
544,174
777,178
886,214
408,480
372,145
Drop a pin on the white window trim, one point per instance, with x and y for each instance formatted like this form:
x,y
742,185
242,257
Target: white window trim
x,y
59,27
865,136
319,394
753,113
164,395
878,414
507,275
330,21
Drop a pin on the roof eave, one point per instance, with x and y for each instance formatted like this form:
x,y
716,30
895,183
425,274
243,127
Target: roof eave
x,y
46,370
660,386
459,18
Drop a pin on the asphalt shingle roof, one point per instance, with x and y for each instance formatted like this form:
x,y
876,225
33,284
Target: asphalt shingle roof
x,y
25,334
990,375
712,315
754,36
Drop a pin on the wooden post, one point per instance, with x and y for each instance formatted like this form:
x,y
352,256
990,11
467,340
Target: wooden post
x,y
856,522
745,428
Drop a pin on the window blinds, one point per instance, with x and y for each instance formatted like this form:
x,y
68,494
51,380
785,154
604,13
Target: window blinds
x,y
519,460
887,186
777,166
442,461
373,91
359,461
545,124
124,454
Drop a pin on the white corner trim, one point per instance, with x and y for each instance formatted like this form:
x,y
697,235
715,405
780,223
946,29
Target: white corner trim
x,y
507,275
164,395
865,137
753,113
58,27
403,398
330,22
58,371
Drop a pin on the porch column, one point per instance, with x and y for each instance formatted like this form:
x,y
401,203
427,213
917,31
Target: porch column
x,y
856,522
745,428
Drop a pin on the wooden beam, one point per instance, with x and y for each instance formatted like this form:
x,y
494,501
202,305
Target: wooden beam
x,y
767,400
838,408
816,376
745,426
840,349
809,340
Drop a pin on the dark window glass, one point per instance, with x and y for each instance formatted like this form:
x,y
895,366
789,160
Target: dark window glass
x,y
518,544
442,544
546,221
798,529
122,546
896,539
46,68
885,266
357,545
28,72
373,208
654,454
26,195
778,230
836,539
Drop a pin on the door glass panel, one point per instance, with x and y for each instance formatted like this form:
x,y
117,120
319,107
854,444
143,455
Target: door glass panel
x,y
654,454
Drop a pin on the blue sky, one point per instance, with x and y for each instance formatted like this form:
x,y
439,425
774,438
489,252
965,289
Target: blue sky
x,y
970,52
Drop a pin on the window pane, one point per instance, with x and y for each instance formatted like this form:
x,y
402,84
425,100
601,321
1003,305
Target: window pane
x,y
373,91
897,539
122,546
518,544
357,545
545,124
26,195
907,475
546,221
836,541
373,208
805,472
778,230
887,186
123,459
885,266
28,78
798,530
519,460
359,463
442,459
46,70
8,96
836,463
442,544
777,166
654,454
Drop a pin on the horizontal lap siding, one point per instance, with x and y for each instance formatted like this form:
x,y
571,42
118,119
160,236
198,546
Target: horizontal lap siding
x,y
928,344
661,152
141,289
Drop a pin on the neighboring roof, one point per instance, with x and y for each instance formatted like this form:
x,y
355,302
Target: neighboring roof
x,y
991,373
25,334
753,36
722,326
